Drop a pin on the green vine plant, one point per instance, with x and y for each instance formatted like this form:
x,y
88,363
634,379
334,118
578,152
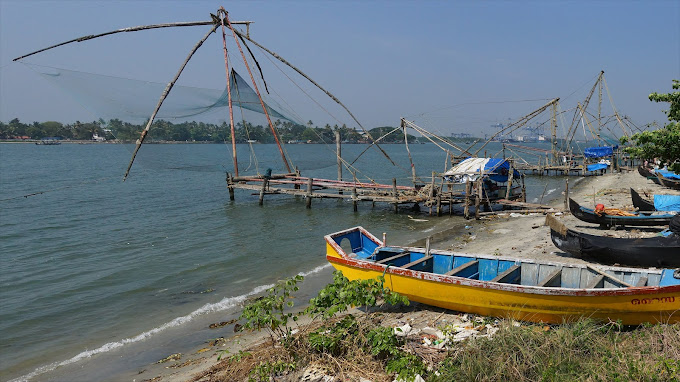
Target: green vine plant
x,y
269,311
342,294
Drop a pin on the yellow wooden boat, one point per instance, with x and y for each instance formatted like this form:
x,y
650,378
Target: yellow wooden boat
x,y
508,287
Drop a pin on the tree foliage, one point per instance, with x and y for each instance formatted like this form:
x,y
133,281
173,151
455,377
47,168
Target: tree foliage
x,y
664,143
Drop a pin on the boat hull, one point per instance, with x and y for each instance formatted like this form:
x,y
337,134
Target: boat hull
x,y
588,215
648,174
656,251
641,203
667,182
631,306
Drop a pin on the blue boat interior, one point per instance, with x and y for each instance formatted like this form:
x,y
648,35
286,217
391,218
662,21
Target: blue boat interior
x,y
502,270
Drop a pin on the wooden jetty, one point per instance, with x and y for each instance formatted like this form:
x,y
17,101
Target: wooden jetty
x,y
311,188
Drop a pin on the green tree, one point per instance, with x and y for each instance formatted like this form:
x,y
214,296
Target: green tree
x,y
663,143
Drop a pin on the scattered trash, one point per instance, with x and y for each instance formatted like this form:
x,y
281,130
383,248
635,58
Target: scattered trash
x,y
402,331
172,357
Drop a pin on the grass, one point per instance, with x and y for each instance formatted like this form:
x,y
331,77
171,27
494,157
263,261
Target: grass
x,y
579,351
364,345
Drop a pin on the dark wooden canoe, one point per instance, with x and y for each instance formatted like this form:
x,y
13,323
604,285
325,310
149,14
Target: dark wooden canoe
x,y
667,182
641,203
588,215
658,251
647,173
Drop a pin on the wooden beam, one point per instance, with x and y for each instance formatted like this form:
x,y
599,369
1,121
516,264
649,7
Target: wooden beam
x,y
392,258
414,263
552,278
507,276
594,282
461,268
607,275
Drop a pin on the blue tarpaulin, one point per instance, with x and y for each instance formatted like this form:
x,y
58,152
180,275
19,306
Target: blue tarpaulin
x,y
596,166
599,152
668,174
667,202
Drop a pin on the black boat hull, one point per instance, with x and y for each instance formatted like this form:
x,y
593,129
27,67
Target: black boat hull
x,y
587,215
641,203
646,252
648,174
670,183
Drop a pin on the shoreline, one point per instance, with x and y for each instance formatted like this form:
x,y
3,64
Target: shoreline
x,y
520,236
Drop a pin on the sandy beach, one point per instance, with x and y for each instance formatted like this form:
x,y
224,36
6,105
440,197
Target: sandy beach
x,y
520,235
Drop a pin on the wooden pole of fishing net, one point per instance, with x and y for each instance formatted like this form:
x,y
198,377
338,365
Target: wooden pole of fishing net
x,y
231,108
264,108
163,96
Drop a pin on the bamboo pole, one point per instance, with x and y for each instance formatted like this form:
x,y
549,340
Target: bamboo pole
x,y
163,96
413,168
132,29
257,91
230,103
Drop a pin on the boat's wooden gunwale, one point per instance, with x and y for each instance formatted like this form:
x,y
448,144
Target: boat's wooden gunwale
x,y
554,291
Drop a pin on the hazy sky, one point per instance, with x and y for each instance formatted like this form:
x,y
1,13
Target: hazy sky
x,y
458,66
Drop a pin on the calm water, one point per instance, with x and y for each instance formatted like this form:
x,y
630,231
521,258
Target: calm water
x,y
99,277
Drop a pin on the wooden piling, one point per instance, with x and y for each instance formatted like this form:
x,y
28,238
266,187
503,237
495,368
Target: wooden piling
x,y
338,150
396,196
309,192
354,199
439,204
509,184
478,196
264,188
431,196
566,194
297,173
230,186
468,190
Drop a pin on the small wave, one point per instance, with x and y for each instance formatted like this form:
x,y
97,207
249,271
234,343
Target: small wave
x,y
551,191
226,303
315,270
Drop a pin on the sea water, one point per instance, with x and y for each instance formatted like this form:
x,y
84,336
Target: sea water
x,y
100,277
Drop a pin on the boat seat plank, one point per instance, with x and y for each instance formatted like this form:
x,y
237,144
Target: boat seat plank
x,y
414,263
607,275
551,278
642,282
593,283
508,276
397,256
461,268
